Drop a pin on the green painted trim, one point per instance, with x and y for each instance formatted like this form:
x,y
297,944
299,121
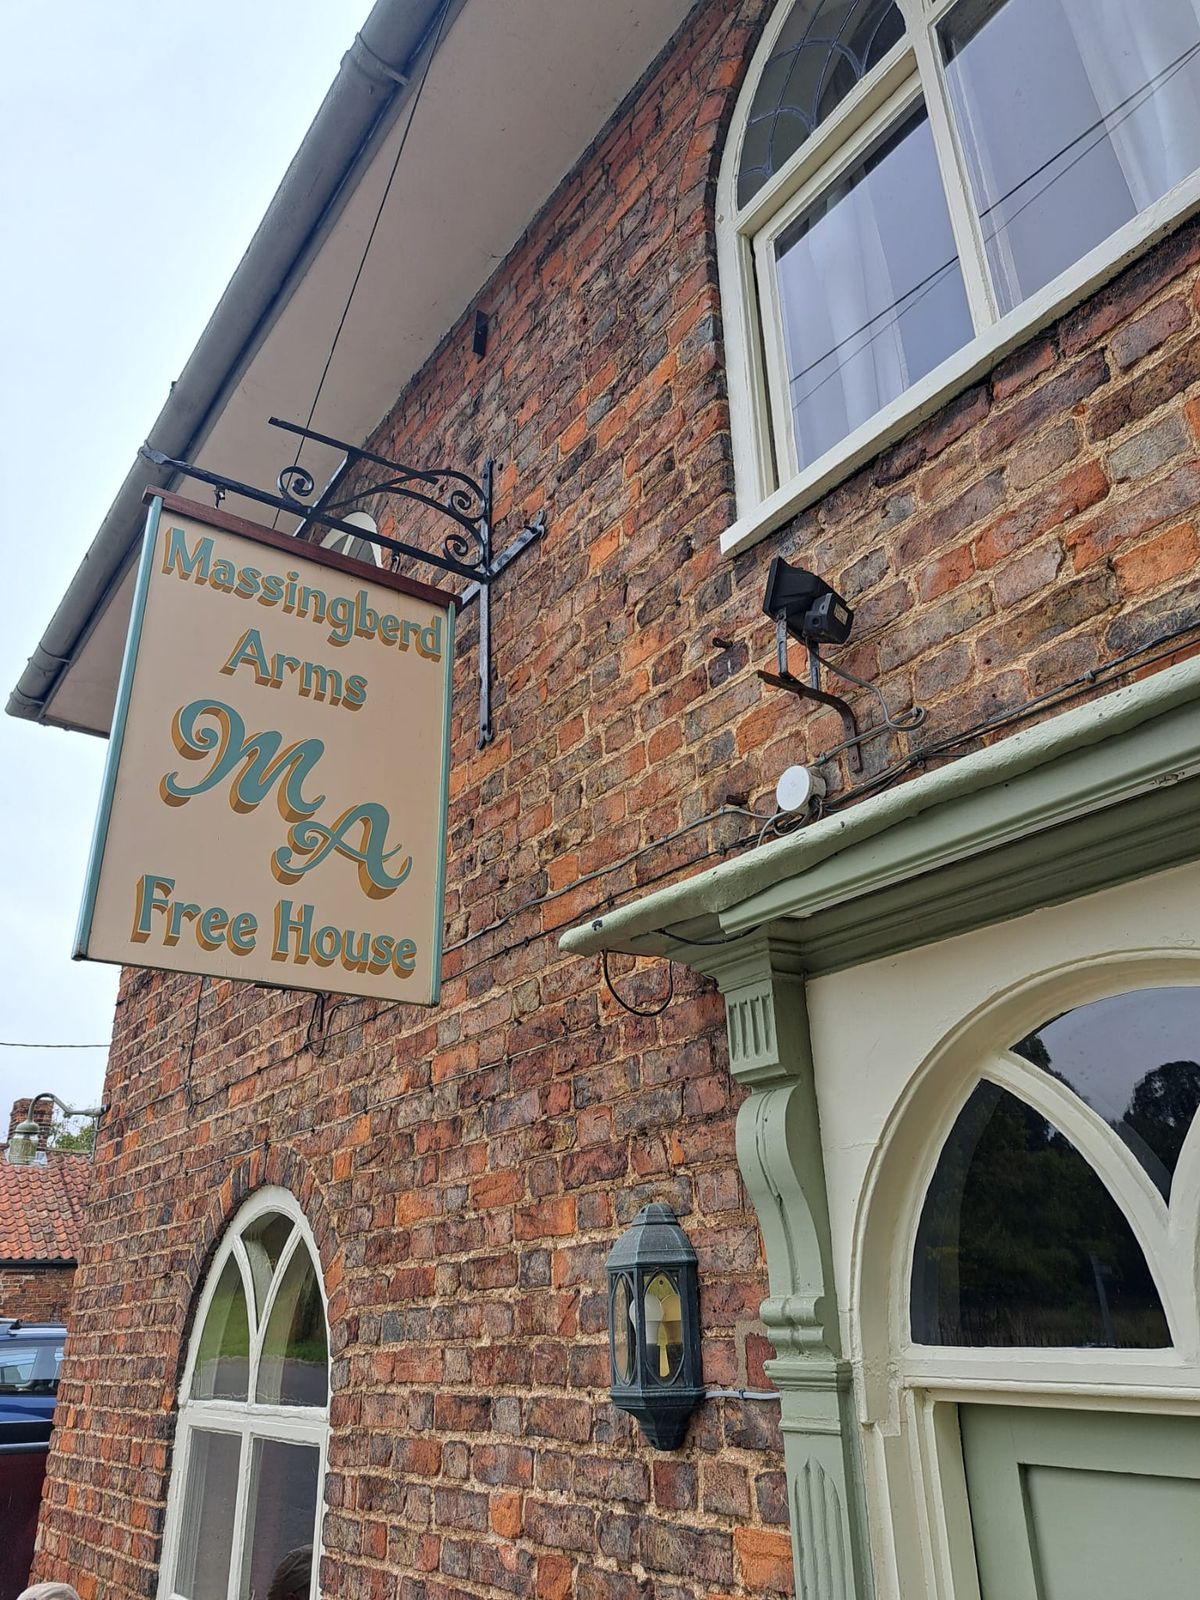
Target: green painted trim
x,y
439,910
1096,851
112,762
780,1157
1091,797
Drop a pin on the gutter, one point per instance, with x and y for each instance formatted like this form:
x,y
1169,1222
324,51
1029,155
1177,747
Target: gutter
x,y
23,1263
359,109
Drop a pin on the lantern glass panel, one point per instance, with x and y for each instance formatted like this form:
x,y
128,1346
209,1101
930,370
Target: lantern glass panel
x,y
622,1331
664,1328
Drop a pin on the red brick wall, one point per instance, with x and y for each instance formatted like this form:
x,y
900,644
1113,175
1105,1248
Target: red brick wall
x,y
466,1170
36,1294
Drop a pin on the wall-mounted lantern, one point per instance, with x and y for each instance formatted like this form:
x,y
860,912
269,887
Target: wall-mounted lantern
x,y
654,1326
24,1142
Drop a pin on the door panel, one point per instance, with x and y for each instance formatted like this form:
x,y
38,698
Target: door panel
x,y
1082,1505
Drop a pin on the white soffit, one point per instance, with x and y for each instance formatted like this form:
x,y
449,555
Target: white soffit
x,y
516,93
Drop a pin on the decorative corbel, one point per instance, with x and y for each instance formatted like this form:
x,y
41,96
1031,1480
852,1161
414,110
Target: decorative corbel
x,y
779,1153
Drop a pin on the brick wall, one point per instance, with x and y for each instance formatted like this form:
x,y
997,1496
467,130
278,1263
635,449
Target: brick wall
x,y
466,1170
36,1294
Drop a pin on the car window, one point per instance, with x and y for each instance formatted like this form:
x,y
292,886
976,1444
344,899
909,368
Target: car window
x,y
29,1366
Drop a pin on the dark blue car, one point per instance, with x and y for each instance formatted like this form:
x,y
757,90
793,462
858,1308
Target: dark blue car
x,y
30,1357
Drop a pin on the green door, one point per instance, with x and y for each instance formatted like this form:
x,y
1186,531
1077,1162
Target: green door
x,y
1083,1505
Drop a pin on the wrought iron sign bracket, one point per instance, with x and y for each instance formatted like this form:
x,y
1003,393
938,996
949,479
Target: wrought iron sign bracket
x,y
466,502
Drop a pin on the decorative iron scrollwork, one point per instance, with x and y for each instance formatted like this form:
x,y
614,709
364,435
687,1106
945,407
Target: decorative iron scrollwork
x,y
296,483
465,501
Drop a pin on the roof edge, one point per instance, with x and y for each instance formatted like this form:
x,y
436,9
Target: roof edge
x,y
25,1262
370,89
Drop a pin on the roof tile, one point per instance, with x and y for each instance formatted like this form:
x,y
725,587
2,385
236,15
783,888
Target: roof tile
x,y
42,1208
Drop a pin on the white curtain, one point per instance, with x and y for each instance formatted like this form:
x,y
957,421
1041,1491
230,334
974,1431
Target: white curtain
x,y
838,292
1136,54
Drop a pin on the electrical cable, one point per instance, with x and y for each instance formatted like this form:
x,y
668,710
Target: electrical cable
x,y
416,100
636,1011
1154,650
603,872
1067,691
29,1044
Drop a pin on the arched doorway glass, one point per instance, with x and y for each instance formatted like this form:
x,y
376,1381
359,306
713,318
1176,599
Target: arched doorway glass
x,y
1051,1308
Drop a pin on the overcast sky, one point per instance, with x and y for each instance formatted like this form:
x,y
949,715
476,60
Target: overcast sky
x,y
116,116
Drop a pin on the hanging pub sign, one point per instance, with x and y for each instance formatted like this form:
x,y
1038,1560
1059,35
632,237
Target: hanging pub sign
x,y
274,801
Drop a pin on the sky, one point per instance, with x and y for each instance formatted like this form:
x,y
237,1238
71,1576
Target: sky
x,y
116,117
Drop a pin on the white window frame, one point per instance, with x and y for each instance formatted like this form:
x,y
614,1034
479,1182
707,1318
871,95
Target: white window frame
x,y
771,487
334,538
247,1419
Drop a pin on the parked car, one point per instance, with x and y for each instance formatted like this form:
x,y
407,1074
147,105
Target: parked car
x,y
30,1358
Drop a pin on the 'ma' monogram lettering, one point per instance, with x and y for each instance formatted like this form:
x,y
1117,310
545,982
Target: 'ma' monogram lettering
x,y
254,765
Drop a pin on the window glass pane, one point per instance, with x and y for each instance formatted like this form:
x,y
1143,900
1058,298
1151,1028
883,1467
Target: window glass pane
x,y
28,1365
209,1502
223,1359
349,544
264,1240
1021,1244
664,1328
1074,116
818,58
1133,1058
871,290
622,1331
293,1368
17,1363
280,1521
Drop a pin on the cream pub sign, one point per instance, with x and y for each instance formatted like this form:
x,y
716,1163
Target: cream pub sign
x,y
274,801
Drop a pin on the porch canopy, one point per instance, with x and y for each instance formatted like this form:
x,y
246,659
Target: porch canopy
x,y
1098,795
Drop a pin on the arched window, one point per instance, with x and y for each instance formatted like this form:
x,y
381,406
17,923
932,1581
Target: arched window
x,y
243,1520
1020,1242
349,544
1055,1257
911,185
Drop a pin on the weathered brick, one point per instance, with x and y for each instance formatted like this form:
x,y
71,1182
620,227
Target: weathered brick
x,y
1120,300
1046,403
1030,573
1142,455
1022,367
1139,396
765,1559
690,1552
467,1171
932,530
1129,344
560,1527
1057,611
1047,452
1036,515
1120,526
1168,555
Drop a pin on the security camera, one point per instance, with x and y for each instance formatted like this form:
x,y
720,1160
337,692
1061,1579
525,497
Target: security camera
x,y
810,608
